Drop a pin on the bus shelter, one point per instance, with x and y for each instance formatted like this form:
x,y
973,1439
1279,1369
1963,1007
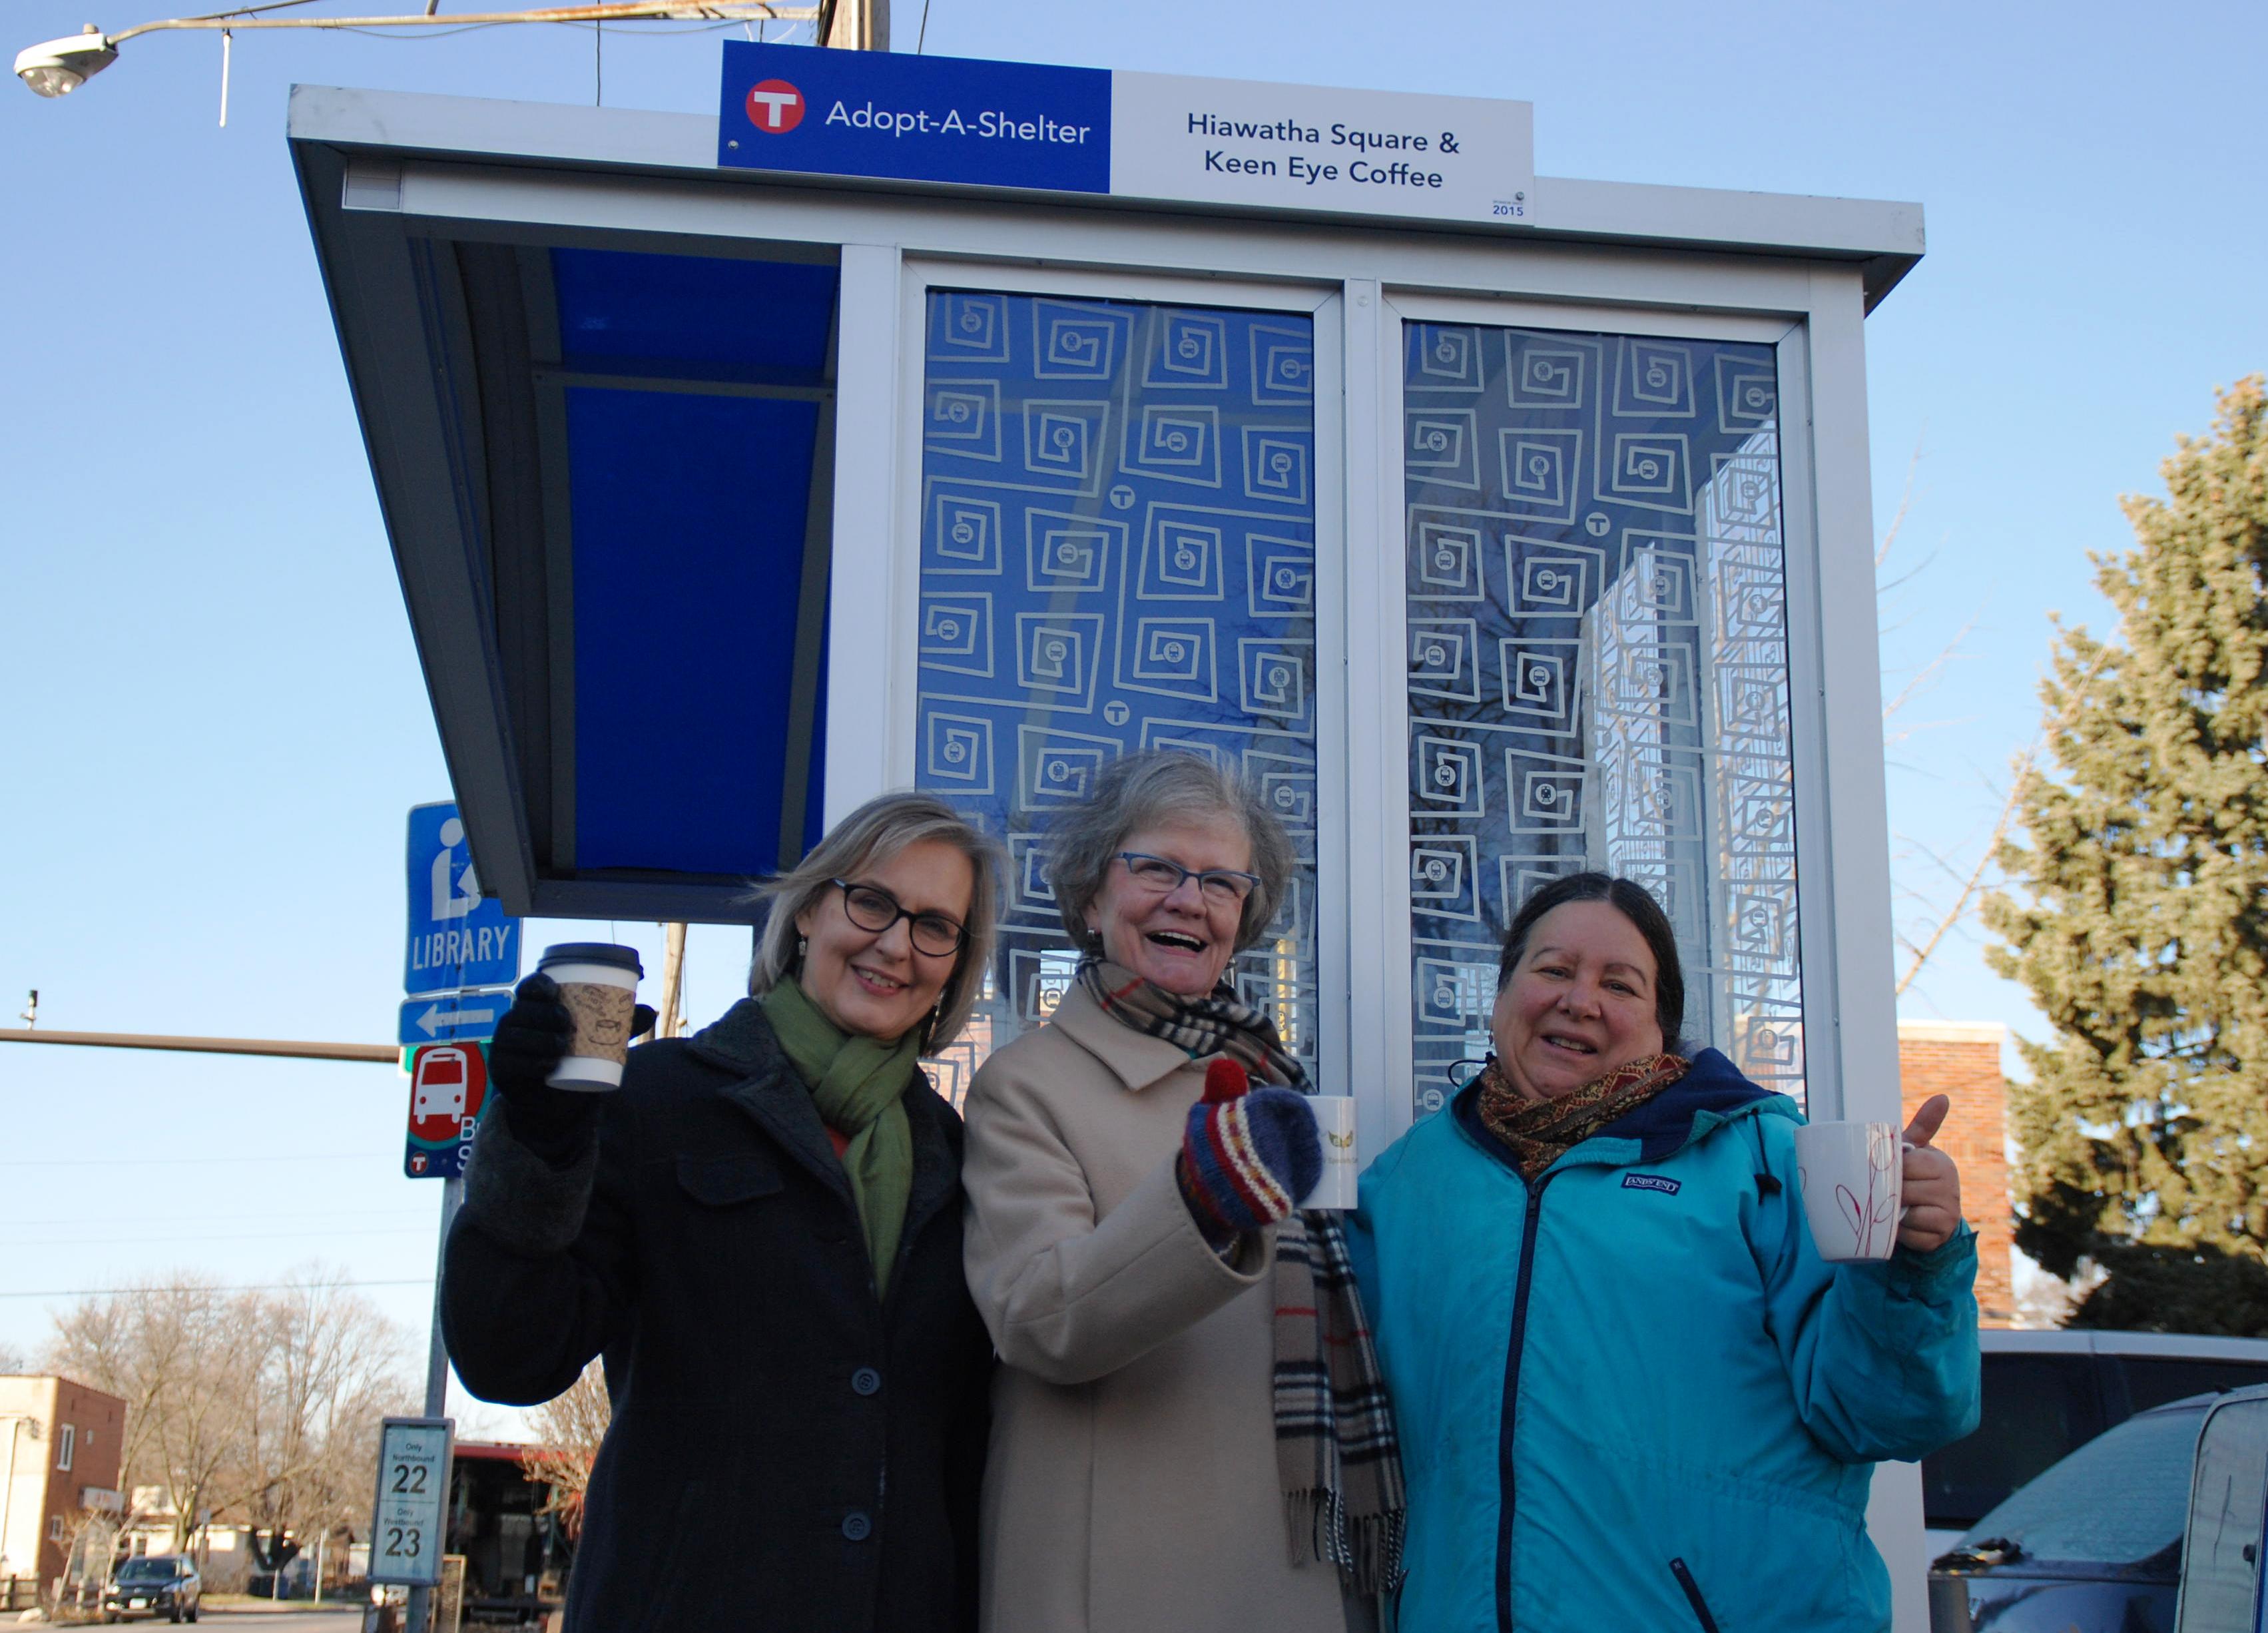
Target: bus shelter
x,y
1496,526
962,425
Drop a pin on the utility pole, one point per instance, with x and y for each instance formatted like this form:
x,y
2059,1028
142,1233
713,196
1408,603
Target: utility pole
x,y
671,1018
855,24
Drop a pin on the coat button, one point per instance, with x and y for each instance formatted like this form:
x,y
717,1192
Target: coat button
x,y
865,1381
857,1526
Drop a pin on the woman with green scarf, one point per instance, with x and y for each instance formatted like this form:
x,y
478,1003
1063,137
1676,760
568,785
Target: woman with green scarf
x,y
761,1233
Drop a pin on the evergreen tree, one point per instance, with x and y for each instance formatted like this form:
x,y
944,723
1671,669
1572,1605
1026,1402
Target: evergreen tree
x,y
2141,928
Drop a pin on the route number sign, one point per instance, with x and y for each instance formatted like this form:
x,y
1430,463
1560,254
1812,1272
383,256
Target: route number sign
x,y
406,1543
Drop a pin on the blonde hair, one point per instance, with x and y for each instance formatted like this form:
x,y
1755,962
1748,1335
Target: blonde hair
x,y
876,831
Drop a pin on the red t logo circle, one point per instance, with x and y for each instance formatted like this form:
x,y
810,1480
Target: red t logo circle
x,y
775,107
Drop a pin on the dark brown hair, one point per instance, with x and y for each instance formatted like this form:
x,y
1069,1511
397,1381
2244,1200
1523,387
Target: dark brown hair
x,y
1636,904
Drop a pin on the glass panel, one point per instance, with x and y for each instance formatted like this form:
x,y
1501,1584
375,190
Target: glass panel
x,y
2036,1409
2220,1566
2153,1381
1598,667
2065,1516
1119,553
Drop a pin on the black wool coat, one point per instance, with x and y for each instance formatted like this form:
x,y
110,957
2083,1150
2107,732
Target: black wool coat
x,y
788,1451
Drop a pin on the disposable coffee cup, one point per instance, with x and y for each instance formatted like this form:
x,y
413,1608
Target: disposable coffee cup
x,y
1334,1125
598,982
1854,1180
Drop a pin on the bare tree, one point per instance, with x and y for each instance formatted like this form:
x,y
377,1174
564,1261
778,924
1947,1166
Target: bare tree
x,y
258,1407
330,1368
569,1427
175,1351
86,1535
1967,868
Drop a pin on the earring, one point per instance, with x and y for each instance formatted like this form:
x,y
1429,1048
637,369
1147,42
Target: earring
x,y
802,946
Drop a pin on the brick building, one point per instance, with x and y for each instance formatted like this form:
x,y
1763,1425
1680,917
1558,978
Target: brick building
x,y
65,1440
1961,1059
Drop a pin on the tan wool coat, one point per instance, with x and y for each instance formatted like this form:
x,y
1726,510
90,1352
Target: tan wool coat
x,y
1132,1483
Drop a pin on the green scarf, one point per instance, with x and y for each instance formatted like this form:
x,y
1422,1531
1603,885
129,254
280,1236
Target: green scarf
x,y
859,1085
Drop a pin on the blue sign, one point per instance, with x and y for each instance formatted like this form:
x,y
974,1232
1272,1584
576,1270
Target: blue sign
x,y
915,118
448,1091
457,938
453,1018
1241,145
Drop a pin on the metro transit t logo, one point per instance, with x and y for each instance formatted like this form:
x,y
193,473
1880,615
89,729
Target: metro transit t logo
x,y
775,107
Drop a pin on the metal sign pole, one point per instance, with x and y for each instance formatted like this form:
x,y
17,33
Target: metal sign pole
x,y
436,1383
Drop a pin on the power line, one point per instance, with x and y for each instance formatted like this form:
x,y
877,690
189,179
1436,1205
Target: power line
x,y
334,1215
248,1287
252,1235
273,1158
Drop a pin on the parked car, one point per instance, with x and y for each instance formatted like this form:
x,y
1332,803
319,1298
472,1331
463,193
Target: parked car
x,y
158,1585
2228,1528
2047,1393
2156,1526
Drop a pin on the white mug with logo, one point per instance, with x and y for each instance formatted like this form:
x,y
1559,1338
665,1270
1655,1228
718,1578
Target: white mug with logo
x,y
1854,1179
1335,1127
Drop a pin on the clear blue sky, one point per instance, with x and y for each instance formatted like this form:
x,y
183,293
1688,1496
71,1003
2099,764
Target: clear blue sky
x,y
214,721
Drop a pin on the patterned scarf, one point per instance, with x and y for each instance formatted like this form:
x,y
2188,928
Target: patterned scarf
x,y
1539,1133
1335,1449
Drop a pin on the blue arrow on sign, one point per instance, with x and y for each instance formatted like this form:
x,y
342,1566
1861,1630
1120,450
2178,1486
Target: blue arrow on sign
x,y
453,1018
458,937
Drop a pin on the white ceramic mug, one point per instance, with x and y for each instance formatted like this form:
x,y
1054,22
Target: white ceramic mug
x,y
1334,1125
1854,1179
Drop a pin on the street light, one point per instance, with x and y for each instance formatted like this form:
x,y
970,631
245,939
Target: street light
x,y
60,67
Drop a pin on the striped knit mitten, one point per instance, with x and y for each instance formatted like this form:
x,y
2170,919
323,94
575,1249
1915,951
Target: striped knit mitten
x,y
1247,1157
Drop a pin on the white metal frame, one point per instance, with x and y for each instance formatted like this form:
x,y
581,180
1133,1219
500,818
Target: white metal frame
x,y
890,560
891,246
1629,258
1842,837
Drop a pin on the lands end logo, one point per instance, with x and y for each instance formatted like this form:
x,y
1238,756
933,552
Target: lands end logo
x,y
1651,1182
775,107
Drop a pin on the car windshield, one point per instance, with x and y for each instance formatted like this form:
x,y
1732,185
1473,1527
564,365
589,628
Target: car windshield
x,y
146,1570
2119,1499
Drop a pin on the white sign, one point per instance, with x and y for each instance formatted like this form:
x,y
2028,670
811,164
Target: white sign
x,y
1305,147
413,1492
1239,144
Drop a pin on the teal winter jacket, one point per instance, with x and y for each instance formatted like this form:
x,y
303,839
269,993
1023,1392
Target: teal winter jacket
x,y
1632,1395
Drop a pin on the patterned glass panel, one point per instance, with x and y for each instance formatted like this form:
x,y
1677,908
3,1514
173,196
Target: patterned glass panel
x,y
1597,647
1119,553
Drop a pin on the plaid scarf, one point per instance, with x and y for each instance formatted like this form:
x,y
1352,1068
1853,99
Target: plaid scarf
x,y
1538,1132
1335,1449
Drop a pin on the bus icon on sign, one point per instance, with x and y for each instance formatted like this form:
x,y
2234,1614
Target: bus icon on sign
x,y
439,1087
775,107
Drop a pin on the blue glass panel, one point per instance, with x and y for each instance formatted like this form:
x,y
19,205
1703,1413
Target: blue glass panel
x,y
690,315
1597,646
1117,552
688,532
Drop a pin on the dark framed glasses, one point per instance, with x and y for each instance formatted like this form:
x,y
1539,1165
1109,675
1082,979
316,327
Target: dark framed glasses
x,y
1223,887
872,908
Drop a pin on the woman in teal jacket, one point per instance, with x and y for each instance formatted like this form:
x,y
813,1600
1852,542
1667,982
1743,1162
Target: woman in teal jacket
x,y
1631,1393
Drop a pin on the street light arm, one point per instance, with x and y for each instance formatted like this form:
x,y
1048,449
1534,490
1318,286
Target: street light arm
x,y
620,11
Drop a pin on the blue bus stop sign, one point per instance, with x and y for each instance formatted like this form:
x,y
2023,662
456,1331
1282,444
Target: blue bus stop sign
x,y
457,939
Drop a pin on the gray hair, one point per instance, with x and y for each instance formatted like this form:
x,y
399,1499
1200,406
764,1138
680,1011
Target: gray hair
x,y
876,831
1159,785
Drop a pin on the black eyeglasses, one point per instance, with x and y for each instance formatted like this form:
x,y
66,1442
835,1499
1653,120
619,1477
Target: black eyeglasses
x,y
1223,887
871,907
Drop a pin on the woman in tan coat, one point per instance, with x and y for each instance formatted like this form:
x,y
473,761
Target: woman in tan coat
x,y
1189,1433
